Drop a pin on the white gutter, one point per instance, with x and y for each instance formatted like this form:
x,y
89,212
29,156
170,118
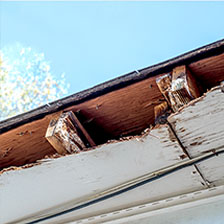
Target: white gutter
x,y
155,210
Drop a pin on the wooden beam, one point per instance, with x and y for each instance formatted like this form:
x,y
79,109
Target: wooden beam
x,y
190,82
87,139
67,135
183,89
164,84
206,61
180,88
209,71
126,110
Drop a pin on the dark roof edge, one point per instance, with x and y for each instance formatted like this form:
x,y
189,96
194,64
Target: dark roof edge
x,y
213,49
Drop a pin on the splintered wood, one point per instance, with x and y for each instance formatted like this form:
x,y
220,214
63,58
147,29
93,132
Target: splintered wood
x,y
178,89
67,135
161,113
189,82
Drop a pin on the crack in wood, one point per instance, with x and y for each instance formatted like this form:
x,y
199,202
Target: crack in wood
x,y
206,182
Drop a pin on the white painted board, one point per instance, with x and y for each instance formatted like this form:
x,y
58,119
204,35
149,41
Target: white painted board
x,y
200,128
200,125
58,182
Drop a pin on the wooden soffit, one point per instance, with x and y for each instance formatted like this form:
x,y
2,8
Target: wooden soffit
x,y
122,106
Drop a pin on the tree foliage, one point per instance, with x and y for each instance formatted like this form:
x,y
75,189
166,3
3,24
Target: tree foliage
x,y
26,81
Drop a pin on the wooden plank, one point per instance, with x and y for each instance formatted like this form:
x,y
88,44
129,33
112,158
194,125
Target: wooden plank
x,y
200,128
113,112
213,170
190,83
78,125
179,88
127,110
200,125
122,112
92,172
25,144
180,92
209,71
164,83
205,62
63,135
67,135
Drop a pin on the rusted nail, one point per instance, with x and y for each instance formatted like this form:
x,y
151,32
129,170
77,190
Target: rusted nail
x,y
88,121
4,154
22,133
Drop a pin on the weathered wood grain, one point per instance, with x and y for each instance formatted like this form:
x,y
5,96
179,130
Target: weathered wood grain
x,y
67,135
88,141
125,111
179,88
25,144
164,83
121,106
209,71
190,82
213,170
193,58
200,128
161,113
63,135
184,87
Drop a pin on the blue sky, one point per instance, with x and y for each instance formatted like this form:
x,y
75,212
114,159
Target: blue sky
x,y
93,42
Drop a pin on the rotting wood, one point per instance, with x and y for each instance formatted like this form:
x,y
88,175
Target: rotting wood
x,y
164,84
123,112
63,136
122,106
183,88
180,88
101,169
161,113
205,62
88,141
67,135
190,83
200,128
127,110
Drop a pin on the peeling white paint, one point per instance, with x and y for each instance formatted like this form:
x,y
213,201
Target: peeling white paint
x,y
65,181
200,128
59,184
